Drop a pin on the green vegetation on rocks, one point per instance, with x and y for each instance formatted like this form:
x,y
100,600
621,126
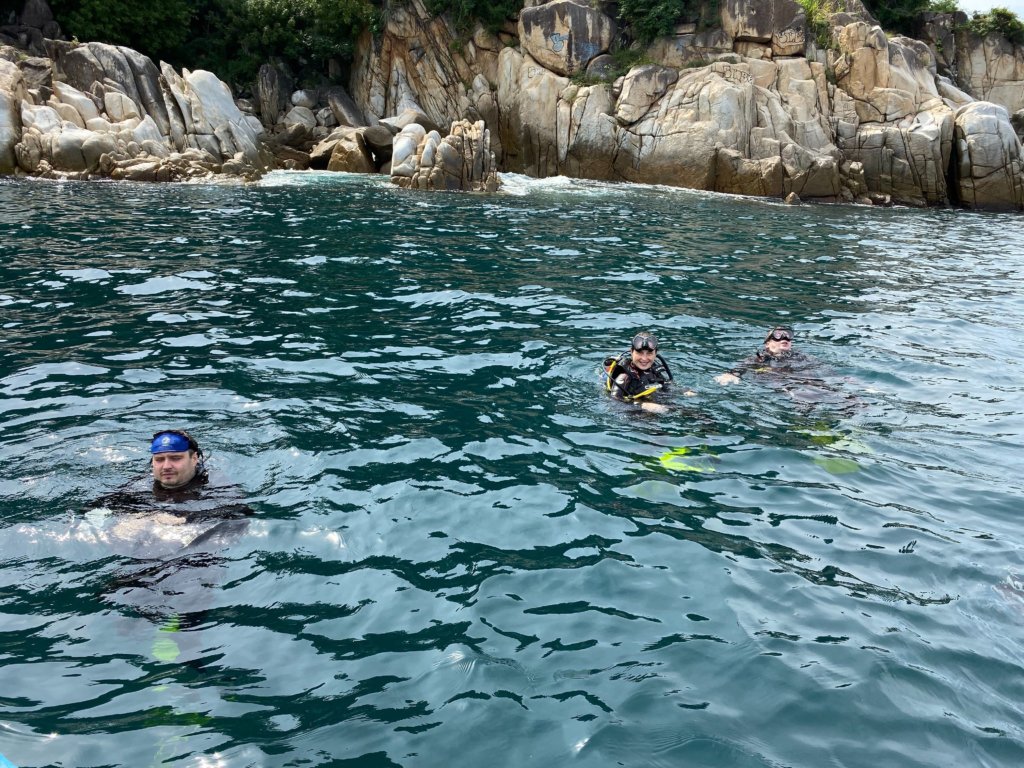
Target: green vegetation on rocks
x,y
649,19
817,13
492,14
160,28
229,37
624,60
234,37
901,16
999,21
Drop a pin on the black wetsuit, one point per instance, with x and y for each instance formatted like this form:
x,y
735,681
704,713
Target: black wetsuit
x,y
168,570
637,381
791,364
802,377
196,501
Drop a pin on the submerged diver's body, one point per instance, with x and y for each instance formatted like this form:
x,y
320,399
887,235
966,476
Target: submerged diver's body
x,y
169,531
637,375
776,357
179,503
803,378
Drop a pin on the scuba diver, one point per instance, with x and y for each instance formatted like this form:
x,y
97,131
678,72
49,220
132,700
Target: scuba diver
x,y
180,496
803,378
177,461
169,530
777,356
637,375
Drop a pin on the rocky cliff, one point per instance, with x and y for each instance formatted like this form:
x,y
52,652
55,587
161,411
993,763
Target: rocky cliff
x,y
761,101
102,110
759,104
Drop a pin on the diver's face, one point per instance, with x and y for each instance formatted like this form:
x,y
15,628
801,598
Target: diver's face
x,y
173,470
644,358
780,347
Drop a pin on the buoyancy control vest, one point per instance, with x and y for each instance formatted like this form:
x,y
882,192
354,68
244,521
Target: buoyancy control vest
x,y
638,384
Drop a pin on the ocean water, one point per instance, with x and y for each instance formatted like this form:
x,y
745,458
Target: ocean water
x,y
463,553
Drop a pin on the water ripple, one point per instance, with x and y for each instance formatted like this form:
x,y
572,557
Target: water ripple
x,y
461,547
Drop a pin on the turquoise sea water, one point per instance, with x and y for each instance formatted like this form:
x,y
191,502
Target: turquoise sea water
x,y
463,554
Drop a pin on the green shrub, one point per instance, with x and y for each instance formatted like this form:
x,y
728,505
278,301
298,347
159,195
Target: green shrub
x,y
817,13
900,16
229,37
627,58
465,13
998,21
648,19
623,60
156,29
944,6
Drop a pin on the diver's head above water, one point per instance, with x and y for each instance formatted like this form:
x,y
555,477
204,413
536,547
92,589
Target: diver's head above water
x,y
644,350
177,458
779,341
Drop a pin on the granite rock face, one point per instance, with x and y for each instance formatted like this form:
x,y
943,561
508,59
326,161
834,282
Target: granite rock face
x,y
757,105
564,36
109,111
755,100
989,158
461,161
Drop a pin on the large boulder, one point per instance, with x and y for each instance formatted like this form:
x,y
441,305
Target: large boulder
x,y
662,125
991,69
420,62
778,26
343,108
300,115
93,67
38,72
592,129
36,13
565,35
461,161
989,167
350,153
12,95
379,141
907,161
272,89
30,30
530,96
109,111
890,115
217,124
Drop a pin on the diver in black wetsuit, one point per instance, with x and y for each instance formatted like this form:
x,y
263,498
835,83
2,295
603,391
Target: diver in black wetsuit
x,y
636,376
803,378
180,491
169,529
776,356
